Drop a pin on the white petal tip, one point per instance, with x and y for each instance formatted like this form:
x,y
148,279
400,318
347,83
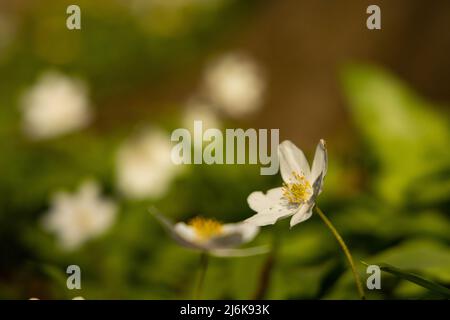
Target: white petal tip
x,y
286,143
323,143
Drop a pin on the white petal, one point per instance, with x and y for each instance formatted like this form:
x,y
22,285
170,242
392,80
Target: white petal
x,y
233,235
292,160
240,252
304,213
275,193
247,231
317,188
258,201
178,232
270,215
320,162
184,231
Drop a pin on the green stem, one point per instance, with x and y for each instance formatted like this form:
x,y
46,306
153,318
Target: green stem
x,y
204,257
345,249
267,269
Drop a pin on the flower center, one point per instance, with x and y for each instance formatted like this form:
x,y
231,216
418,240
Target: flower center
x,y
298,190
205,228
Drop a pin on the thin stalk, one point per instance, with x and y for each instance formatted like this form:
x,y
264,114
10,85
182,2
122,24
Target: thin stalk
x,y
344,247
267,269
203,266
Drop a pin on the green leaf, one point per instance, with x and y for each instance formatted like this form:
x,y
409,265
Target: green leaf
x,y
430,258
415,278
406,135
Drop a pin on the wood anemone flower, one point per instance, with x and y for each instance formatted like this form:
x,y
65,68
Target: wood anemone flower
x,y
212,237
296,197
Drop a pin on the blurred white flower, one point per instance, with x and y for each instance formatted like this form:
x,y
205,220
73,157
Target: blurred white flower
x,y
235,84
213,237
300,189
144,167
199,110
76,218
55,105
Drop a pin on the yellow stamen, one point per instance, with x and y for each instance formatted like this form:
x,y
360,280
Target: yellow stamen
x,y
205,228
298,190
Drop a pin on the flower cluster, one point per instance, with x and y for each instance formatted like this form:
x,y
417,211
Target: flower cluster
x,y
296,199
58,104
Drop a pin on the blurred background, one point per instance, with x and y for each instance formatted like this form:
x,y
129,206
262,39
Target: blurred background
x,y
85,123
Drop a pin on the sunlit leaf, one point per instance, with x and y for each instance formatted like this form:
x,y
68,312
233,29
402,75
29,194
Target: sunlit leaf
x,y
405,133
430,258
415,278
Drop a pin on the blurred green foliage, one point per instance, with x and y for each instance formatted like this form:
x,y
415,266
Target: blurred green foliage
x,y
407,137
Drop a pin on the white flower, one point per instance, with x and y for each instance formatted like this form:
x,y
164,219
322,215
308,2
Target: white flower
x,y
55,105
76,218
198,110
301,187
209,235
144,167
235,85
